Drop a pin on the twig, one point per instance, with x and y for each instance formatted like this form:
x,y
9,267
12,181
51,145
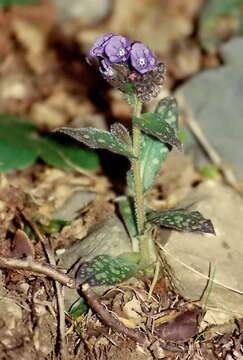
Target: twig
x,y
29,264
155,279
108,318
60,298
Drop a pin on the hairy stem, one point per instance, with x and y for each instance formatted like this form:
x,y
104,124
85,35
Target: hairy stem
x,y
139,198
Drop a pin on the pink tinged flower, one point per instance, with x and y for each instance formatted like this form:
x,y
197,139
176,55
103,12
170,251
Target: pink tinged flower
x,y
117,49
142,58
99,45
106,70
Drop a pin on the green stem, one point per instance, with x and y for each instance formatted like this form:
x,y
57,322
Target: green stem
x,y
136,170
146,243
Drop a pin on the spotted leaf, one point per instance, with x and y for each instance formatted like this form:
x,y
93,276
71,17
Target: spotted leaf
x,y
154,124
183,220
98,139
107,270
153,151
122,134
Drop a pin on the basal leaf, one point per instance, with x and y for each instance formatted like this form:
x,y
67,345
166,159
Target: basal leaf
x,y
18,148
7,3
154,124
78,308
97,139
21,145
107,270
15,157
181,220
64,155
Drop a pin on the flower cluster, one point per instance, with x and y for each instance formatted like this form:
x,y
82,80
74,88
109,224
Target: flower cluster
x,y
130,67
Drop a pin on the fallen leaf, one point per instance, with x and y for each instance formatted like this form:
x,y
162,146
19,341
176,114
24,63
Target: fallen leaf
x,y
180,329
22,246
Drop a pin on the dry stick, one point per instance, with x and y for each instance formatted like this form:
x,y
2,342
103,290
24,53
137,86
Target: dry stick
x,y
108,318
60,297
29,264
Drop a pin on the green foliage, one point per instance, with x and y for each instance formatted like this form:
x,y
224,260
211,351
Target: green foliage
x,y
181,220
55,225
20,146
153,151
107,270
213,14
7,3
78,308
127,211
155,125
99,139
67,156
211,171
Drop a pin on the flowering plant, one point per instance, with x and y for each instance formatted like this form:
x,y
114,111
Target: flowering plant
x,y
134,69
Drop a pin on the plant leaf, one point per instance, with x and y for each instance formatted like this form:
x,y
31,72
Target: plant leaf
x,y
78,308
18,148
15,157
127,211
181,219
122,134
7,3
107,270
62,155
97,139
153,151
211,17
155,125
54,226
128,214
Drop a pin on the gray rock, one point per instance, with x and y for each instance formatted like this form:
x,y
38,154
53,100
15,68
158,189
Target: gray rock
x,y
224,207
232,51
71,207
214,98
109,237
87,10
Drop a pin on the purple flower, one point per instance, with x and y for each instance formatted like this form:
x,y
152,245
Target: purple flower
x,y
117,49
142,58
99,45
106,70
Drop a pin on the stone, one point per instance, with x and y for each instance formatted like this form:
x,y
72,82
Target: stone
x,y
71,207
188,251
232,51
214,100
109,237
87,10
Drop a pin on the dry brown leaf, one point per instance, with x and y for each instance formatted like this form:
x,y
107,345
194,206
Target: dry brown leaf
x,y
132,309
181,328
22,246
